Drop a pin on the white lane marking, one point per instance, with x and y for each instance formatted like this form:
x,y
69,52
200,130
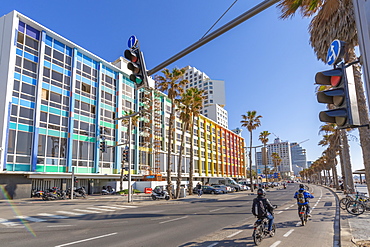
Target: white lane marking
x,y
9,223
60,226
102,209
235,233
173,220
53,216
288,233
251,226
87,211
298,224
292,205
275,244
71,213
28,218
279,212
216,209
214,244
286,208
87,239
116,207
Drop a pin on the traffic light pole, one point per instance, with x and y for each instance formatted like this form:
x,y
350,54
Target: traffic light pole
x,y
129,117
233,23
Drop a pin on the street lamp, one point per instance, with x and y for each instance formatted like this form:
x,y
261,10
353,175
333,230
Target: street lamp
x,y
129,150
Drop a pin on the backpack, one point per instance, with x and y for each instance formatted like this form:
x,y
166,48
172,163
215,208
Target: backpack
x,y
300,197
258,208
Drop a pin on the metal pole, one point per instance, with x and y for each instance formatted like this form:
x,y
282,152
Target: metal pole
x,y
73,182
129,161
235,22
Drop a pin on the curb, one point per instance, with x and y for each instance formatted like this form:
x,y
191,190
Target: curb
x,y
346,239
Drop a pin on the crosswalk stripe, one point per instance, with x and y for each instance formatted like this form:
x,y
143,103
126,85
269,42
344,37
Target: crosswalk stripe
x,y
87,211
71,213
9,223
125,206
53,216
28,218
103,209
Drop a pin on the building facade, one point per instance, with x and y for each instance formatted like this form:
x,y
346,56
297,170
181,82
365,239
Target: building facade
x,y
298,155
59,102
282,148
214,92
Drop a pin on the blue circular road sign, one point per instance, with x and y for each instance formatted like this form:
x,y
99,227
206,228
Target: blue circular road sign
x,y
132,41
334,52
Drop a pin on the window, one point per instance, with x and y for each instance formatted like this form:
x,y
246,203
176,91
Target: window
x,y
29,65
28,89
86,88
26,113
55,97
58,55
32,43
57,76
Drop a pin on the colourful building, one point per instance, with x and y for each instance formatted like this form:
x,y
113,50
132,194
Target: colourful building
x,y
59,102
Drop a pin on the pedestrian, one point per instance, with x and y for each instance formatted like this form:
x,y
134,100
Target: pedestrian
x,y
199,189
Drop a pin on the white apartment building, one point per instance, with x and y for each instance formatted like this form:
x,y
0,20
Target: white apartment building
x,y
283,149
215,100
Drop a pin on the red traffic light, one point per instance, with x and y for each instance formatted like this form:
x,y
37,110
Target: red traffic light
x,y
131,56
330,77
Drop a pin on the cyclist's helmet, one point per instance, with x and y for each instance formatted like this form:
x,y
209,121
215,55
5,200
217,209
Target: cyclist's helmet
x,y
261,192
301,186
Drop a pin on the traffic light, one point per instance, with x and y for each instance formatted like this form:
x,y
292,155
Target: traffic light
x,y
103,146
125,155
137,66
342,96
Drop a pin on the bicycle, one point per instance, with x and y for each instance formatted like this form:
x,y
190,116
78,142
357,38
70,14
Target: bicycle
x,y
359,206
303,214
350,196
260,230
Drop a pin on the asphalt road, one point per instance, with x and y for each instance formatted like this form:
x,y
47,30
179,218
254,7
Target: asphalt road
x,y
212,220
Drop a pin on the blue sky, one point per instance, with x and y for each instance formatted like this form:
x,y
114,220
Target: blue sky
x,y
267,63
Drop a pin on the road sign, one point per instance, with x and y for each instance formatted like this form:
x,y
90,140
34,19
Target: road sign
x,y
335,52
132,41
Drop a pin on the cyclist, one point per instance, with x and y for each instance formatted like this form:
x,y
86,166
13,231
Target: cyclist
x,y
303,197
266,210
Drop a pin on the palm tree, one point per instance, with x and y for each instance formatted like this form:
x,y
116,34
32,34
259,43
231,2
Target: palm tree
x,y
184,105
334,19
276,160
251,121
197,104
173,84
264,139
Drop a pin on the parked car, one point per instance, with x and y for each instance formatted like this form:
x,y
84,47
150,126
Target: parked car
x,y
223,188
208,190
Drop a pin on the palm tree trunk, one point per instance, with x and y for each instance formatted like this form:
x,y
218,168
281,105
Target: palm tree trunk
x,y
169,179
179,170
250,162
191,162
347,161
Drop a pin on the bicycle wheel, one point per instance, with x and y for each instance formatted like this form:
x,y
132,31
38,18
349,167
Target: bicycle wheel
x,y
343,202
355,207
257,235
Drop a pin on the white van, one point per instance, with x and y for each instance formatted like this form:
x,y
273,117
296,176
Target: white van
x,y
226,181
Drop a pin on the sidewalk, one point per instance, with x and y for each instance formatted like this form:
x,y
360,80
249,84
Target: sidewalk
x,y
354,229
